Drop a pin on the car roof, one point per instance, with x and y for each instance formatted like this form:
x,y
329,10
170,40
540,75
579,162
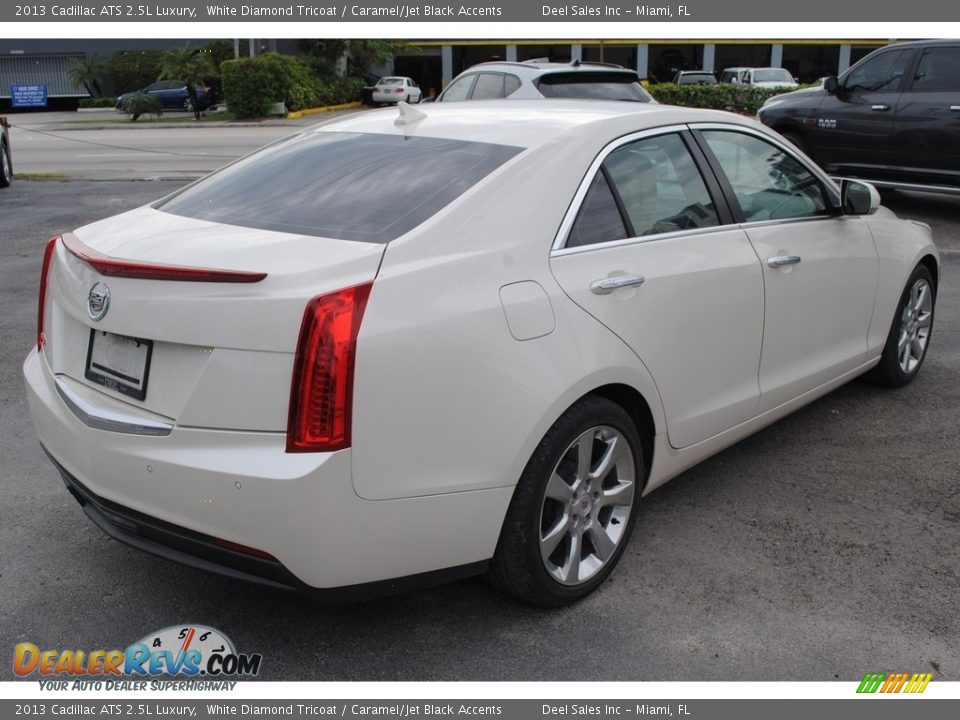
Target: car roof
x,y
526,123
537,68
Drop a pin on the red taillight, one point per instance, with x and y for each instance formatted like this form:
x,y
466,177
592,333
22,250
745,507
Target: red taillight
x,y
42,305
398,90
116,267
321,394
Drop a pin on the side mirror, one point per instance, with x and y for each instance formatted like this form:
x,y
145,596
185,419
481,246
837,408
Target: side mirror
x,y
831,85
858,198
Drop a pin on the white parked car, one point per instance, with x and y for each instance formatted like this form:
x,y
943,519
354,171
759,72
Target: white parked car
x,y
767,77
543,79
396,89
319,369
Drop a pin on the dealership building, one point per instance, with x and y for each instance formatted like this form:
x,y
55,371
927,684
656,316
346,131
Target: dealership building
x,y
433,63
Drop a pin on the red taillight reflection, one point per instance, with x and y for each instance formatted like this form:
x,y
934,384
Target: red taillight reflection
x,y
42,303
243,549
321,393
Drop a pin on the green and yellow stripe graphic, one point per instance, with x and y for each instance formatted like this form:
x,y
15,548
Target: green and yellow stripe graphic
x,y
894,682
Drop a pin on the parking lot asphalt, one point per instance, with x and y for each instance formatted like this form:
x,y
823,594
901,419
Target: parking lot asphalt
x,y
826,546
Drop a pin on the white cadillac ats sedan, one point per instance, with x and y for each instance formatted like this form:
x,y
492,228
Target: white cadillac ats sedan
x,y
412,345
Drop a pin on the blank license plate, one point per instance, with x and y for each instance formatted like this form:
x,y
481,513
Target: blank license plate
x,y
119,362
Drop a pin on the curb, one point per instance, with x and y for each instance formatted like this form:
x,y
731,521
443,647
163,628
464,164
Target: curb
x,y
317,110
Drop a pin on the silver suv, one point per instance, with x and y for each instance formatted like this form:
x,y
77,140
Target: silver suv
x,y
543,79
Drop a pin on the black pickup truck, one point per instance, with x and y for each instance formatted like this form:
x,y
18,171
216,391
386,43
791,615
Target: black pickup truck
x,y
892,119
6,164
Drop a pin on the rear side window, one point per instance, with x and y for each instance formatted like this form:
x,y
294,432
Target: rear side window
x,y
592,86
647,187
349,186
939,70
489,86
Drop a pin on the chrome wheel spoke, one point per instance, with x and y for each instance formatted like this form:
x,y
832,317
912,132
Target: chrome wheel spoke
x,y
558,490
571,567
603,544
618,495
924,319
550,541
584,456
920,293
608,461
916,348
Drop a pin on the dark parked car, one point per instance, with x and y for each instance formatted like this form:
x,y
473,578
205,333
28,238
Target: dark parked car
x,y
6,164
173,94
892,119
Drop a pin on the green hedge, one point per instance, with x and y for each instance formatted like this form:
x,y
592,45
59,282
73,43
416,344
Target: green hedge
x,y
735,98
252,85
97,102
134,69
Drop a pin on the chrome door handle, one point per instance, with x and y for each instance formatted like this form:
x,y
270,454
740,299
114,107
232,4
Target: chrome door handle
x,y
608,285
880,108
783,260
955,108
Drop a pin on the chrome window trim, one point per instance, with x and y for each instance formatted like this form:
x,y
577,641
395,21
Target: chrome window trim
x,y
109,420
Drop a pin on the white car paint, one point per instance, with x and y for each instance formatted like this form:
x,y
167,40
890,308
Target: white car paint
x,y
479,333
395,89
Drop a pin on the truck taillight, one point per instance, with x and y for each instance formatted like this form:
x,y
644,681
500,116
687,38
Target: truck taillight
x,y
42,304
321,393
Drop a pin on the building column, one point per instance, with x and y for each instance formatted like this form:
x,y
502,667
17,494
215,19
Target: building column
x,y
709,52
576,53
511,53
844,59
446,62
643,60
776,55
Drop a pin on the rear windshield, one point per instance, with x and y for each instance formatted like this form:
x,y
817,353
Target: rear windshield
x,y
349,186
772,75
592,86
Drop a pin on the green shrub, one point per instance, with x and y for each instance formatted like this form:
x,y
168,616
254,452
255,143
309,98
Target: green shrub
x,y
134,69
252,85
338,90
97,102
735,98
142,103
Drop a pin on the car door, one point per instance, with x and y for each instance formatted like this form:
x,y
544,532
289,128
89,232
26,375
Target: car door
x,y
820,268
854,125
644,252
926,127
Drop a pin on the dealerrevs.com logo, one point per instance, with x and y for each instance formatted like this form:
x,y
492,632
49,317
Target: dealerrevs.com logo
x,y
189,651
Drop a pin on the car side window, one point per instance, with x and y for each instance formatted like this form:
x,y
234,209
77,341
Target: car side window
x,y
938,71
646,187
879,74
599,219
511,83
769,183
459,89
489,86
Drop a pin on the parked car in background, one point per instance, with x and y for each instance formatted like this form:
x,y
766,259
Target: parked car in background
x,y
394,89
893,118
732,74
765,77
6,157
172,94
544,79
401,348
695,77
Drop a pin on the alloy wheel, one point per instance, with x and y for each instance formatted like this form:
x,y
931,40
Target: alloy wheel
x,y
915,325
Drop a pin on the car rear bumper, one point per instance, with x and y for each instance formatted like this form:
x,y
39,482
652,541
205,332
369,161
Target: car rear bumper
x,y
181,495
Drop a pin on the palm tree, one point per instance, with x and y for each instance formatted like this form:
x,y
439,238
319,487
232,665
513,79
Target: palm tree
x,y
86,71
194,66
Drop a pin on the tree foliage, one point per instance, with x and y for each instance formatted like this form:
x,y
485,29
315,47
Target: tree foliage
x,y
194,66
86,72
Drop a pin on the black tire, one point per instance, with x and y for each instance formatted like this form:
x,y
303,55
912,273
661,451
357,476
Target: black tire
x,y
407,99
6,164
890,371
517,566
798,141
